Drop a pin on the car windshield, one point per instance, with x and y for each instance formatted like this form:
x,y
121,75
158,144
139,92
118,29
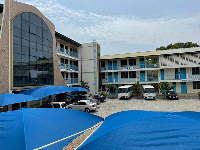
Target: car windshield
x,y
149,90
89,102
122,90
172,92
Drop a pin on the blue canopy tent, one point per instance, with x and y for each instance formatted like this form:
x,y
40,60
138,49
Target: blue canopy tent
x,y
7,99
45,91
147,130
28,129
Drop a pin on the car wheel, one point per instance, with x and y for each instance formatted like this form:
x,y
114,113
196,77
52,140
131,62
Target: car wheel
x,y
87,110
69,108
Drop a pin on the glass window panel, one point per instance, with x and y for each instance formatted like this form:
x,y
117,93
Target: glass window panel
x,y
44,25
45,42
45,49
39,31
50,55
25,16
33,18
17,22
39,40
17,32
39,54
25,43
17,48
25,58
16,40
32,45
33,52
50,44
25,35
33,38
39,47
25,50
17,58
32,28
45,34
25,26
46,54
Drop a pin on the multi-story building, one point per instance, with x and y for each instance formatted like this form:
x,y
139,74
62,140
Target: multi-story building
x,y
68,57
32,54
180,67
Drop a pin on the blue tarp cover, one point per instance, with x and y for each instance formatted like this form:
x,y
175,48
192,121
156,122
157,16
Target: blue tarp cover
x,y
45,91
147,130
27,129
7,99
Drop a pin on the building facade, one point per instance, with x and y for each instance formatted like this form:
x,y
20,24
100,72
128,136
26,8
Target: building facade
x,y
32,54
180,67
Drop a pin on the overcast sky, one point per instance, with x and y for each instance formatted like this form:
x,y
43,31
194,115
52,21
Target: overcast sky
x,y
124,26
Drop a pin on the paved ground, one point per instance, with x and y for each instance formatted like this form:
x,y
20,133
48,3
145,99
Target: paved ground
x,y
111,106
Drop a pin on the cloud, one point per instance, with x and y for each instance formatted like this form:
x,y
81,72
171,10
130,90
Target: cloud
x,y
83,26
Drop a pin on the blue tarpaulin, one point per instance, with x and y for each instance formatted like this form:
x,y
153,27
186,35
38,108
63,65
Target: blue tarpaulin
x,y
45,91
7,99
27,129
147,130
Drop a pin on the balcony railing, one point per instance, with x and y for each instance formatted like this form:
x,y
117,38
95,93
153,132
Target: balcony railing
x,y
68,67
128,80
130,67
71,80
67,52
195,77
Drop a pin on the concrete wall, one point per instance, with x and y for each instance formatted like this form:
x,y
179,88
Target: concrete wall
x,y
89,70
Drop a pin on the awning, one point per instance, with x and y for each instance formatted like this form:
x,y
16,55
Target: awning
x,y
31,128
45,91
7,99
147,130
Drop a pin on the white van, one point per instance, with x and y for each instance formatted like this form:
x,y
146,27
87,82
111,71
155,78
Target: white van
x,y
125,91
149,92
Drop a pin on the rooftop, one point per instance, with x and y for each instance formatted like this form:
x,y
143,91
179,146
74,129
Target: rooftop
x,y
60,36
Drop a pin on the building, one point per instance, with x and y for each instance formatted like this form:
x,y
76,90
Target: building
x,y
180,67
32,54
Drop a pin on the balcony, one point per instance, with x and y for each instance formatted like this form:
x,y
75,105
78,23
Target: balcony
x,y
68,67
130,67
66,52
130,80
187,77
71,80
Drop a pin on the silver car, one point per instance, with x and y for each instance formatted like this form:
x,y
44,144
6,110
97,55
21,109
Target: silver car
x,y
83,105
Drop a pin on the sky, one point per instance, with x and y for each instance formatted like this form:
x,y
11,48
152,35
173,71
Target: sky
x,y
124,26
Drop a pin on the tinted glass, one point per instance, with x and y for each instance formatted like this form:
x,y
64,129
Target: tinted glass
x,y
32,51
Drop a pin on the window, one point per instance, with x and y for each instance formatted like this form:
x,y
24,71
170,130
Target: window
x,y
124,74
30,50
103,76
103,64
196,85
132,74
123,62
196,70
132,62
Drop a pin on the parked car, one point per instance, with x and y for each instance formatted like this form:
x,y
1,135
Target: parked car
x,y
99,97
172,95
54,105
83,105
93,100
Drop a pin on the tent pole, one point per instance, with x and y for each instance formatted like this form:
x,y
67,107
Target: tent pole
x,y
47,145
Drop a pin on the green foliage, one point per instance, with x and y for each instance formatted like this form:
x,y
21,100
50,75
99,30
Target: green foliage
x,y
103,93
137,89
111,88
165,87
84,84
178,45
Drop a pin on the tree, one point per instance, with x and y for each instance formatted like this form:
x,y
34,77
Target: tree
x,y
137,89
84,84
165,87
111,88
178,45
